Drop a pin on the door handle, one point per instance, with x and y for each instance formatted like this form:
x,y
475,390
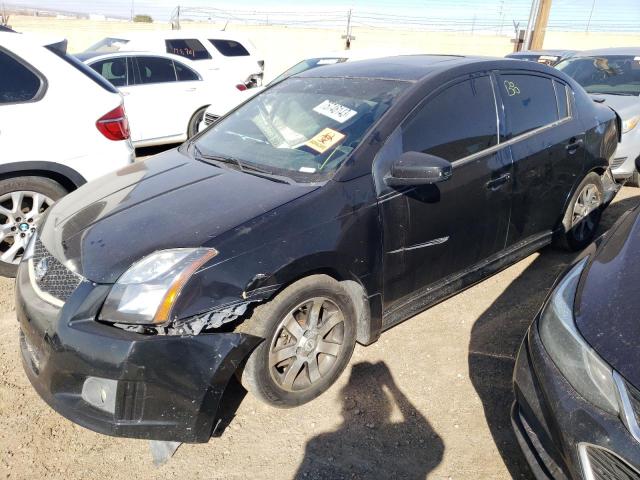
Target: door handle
x,y
496,183
574,145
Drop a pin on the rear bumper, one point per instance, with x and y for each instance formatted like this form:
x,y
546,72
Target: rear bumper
x,y
166,387
551,420
623,163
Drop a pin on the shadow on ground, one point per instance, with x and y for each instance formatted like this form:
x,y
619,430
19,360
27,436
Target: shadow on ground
x,y
369,443
498,333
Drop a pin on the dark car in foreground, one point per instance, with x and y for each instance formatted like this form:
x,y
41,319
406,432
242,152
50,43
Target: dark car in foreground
x,y
576,380
325,210
548,57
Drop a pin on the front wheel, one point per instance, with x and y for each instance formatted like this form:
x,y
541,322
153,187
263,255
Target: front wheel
x,y
23,201
583,213
309,333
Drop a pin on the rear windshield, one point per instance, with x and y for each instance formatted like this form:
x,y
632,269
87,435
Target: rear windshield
x,y
108,45
607,74
230,48
303,128
84,69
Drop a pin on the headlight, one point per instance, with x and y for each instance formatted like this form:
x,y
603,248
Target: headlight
x,y
147,292
630,123
589,375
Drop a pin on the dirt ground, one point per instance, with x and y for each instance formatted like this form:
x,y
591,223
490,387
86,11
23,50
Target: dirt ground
x,y
430,398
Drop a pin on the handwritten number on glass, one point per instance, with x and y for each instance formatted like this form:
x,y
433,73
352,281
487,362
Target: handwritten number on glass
x,y
512,88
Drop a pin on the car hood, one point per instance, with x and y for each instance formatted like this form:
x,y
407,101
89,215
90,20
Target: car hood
x,y
608,303
168,201
623,105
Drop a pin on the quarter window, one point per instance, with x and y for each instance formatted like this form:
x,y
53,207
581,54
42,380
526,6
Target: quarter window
x,y
190,48
563,100
185,74
230,48
458,122
530,102
113,69
156,70
17,82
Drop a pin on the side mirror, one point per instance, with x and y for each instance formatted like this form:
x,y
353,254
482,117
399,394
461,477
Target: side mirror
x,y
416,168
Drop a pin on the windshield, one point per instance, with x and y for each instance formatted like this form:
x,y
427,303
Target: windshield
x,y
305,65
303,128
615,74
108,45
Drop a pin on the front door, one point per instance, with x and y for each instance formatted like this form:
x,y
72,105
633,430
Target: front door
x,y
432,232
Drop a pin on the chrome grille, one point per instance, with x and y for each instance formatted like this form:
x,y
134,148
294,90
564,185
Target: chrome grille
x,y
606,465
51,276
209,119
616,162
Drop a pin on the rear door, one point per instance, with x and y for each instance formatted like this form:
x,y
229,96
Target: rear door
x,y
434,232
547,146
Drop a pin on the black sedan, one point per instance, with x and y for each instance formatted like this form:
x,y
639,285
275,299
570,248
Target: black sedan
x,y
576,380
327,209
548,57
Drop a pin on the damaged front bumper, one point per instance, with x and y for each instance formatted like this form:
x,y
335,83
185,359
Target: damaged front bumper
x,y
120,383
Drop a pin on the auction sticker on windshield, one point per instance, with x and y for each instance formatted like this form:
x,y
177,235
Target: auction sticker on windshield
x,y
335,111
326,139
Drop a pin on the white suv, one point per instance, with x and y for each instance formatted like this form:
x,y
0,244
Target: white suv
x,y
232,54
61,125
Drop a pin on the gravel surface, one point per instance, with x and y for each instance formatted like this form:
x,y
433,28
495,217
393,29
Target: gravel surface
x,y
430,398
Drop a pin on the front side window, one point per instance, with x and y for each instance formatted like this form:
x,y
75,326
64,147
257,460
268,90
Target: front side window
x,y
17,82
190,48
230,48
611,74
304,128
113,69
456,123
529,100
156,70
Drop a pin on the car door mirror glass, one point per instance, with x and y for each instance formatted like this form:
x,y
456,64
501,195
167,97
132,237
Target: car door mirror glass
x,y
416,168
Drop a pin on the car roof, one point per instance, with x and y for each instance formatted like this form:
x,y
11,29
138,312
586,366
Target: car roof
x,y
414,68
169,34
610,51
85,56
555,52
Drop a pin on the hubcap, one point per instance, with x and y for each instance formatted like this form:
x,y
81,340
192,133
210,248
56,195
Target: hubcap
x,y
307,344
583,222
20,214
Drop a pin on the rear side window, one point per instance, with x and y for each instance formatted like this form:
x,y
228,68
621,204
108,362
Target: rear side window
x,y
562,97
185,74
230,48
458,122
17,82
530,102
190,48
156,70
113,69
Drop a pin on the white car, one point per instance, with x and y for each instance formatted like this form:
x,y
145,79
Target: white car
x,y
226,52
165,96
218,109
61,125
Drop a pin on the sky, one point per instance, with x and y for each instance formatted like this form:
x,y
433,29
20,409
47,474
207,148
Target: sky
x,y
608,15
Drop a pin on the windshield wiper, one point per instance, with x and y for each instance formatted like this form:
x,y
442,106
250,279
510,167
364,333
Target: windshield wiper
x,y
249,169
623,94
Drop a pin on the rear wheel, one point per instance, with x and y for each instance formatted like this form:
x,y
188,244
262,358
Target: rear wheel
x,y
194,123
23,201
583,214
310,332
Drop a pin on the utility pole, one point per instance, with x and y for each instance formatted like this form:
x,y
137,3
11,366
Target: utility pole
x,y
132,8
532,19
593,5
348,37
540,28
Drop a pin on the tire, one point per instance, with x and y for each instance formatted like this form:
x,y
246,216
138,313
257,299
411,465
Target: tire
x,y
19,217
280,370
581,224
194,123
633,180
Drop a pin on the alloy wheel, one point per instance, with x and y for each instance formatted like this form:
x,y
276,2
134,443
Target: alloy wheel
x,y
583,223
307,344
20,215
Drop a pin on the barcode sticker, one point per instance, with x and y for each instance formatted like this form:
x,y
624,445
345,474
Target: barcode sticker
x,y
335,111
